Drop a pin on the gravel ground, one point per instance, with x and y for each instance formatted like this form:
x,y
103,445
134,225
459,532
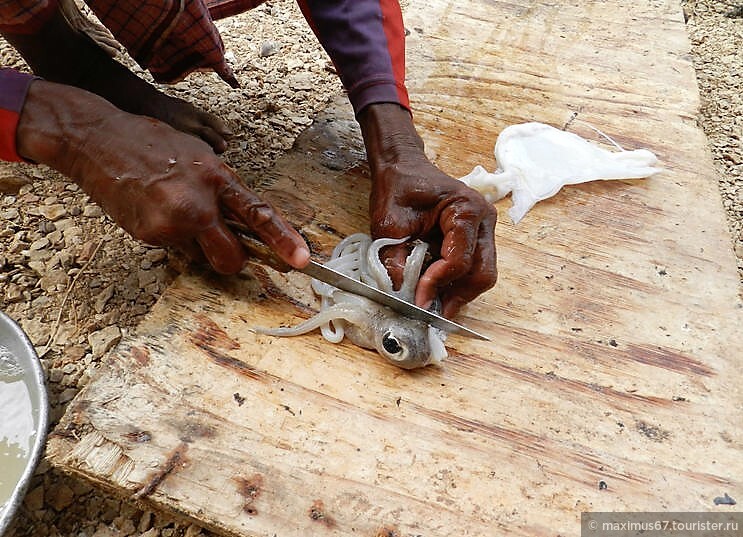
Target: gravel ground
x,y
77,283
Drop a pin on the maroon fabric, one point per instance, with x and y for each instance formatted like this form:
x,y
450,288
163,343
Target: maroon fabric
x,y
169,37
25,16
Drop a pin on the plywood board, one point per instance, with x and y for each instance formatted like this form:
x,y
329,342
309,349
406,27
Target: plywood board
x,y
612,379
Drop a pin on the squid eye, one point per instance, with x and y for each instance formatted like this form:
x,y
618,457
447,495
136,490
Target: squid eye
x,y
390,343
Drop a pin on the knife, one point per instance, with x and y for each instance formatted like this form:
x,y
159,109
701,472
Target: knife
x,y
260,251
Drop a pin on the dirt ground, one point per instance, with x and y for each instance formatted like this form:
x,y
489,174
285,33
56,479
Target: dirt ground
x,y
76,282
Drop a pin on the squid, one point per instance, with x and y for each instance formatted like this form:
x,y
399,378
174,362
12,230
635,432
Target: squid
x,y
404,342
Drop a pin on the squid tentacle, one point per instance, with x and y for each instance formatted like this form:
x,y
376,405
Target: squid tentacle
x,y
335,312
412,271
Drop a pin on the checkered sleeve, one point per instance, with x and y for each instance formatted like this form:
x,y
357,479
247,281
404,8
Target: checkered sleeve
x,y
13,88
25,16
366,41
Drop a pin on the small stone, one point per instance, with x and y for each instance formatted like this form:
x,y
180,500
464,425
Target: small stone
x,y
124,525
269,48
60,496
92,211
193,531
110,511
104,531
16,245
156,256
145,522
67,395
53,212
75,352
54,280
10,214
63,224
41,301
146,277
38,255
39,267
34,500
37,331
152,532
45,226
301,81
39,244
103,340
75,211
102,299
55,238
86,251
55,375
81,487
13,293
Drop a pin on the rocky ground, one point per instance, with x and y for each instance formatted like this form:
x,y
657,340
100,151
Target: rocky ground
x,y
76,282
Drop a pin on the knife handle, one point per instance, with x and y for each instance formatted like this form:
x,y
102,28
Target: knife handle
x,y
256,248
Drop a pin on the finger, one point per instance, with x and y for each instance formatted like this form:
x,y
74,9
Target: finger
x,y
452,304
213,138
216,124
393,259
457,254
222,249
481,277
265,222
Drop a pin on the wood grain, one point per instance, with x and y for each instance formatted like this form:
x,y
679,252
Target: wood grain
x,y
616,351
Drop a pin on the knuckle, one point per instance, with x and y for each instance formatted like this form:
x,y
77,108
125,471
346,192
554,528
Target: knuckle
x,y
260,214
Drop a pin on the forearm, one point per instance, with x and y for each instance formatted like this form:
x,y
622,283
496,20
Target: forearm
x,y
366,41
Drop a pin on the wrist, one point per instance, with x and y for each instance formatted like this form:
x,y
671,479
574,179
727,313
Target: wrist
x,y
55,121
389,135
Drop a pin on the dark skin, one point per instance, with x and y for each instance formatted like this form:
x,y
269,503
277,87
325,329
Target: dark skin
x,y
411,197
158,176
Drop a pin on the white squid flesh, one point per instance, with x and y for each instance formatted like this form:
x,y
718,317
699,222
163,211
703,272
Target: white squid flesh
x,y
536,160
404,342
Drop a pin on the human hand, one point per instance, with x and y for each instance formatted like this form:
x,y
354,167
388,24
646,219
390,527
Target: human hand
x,y
411,197
164,187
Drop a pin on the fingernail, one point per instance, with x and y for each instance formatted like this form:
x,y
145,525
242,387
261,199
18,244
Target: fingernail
x,y
300,258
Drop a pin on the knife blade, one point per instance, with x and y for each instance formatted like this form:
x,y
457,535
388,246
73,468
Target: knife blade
x,y
260,251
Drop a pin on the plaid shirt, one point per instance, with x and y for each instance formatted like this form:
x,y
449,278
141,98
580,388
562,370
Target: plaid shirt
x,y
172,38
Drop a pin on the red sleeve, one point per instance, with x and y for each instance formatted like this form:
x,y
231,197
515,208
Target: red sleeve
x,y
13,88
366,41
25,16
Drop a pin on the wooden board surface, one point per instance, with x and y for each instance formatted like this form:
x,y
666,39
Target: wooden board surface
x,y
616,351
